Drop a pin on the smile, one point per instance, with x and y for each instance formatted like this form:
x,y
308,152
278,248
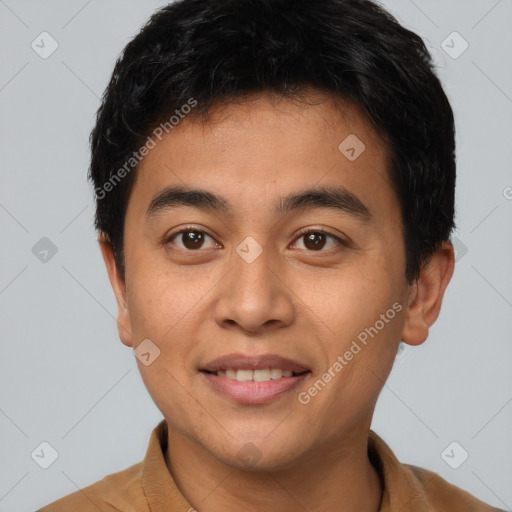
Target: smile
x,y
263,375
242,386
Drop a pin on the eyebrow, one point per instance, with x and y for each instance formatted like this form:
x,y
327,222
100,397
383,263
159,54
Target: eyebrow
x,y
334,198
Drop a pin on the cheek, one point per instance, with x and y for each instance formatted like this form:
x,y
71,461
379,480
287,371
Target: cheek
x,y
350,299
168,309
158,300
363,309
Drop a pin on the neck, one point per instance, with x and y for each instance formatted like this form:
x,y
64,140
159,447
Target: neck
x,y
341,479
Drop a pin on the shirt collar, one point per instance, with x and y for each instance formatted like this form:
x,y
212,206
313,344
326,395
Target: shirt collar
x,y
159,487
401,490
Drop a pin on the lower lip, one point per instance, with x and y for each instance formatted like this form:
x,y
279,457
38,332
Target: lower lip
x,y
251,392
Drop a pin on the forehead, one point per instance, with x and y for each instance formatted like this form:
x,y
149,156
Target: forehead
x,y
255,150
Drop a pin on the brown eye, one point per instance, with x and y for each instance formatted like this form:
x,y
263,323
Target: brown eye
x,y
317,240
314,241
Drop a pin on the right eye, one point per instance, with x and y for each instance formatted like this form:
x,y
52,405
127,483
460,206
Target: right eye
x,y
191,239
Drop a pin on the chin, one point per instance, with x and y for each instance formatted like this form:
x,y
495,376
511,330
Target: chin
x,y
259,452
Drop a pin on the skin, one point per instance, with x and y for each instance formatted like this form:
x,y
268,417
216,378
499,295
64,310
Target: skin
x,y
308,305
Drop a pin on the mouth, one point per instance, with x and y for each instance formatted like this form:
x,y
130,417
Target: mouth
x,y
253,380
263,375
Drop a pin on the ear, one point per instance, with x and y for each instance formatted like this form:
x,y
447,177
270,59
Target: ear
x,y
124,325
427,295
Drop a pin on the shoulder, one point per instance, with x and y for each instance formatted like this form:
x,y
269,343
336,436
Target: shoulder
x,y
409,488
443,496
121,491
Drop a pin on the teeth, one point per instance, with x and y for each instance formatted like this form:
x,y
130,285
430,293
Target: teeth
x,y
276,373
261,375
244,375
256,375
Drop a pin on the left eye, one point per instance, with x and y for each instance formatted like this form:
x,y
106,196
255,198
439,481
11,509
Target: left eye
x,y
316,240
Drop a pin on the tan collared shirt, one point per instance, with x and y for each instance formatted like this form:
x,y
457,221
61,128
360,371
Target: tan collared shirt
x,y
149,487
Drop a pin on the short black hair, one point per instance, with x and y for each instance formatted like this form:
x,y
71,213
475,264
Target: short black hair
x,y
202,53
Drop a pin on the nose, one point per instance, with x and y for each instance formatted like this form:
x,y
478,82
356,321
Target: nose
x,y
254,296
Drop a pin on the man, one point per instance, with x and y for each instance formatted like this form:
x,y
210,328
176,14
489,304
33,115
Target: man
x,y
275,196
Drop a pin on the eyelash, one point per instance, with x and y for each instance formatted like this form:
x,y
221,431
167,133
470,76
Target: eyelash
x,y
306,231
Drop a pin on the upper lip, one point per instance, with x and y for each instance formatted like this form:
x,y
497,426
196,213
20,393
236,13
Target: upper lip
x,y
260,362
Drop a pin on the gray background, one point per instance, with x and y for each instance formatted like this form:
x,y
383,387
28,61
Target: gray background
x,y
66,379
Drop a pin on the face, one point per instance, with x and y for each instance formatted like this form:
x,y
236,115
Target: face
x,y
258,266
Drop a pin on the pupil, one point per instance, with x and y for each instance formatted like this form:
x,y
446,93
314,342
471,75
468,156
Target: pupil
x,y
193,239
315,244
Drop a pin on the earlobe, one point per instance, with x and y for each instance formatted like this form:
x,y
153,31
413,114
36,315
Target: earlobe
x,y
119,287
427,294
